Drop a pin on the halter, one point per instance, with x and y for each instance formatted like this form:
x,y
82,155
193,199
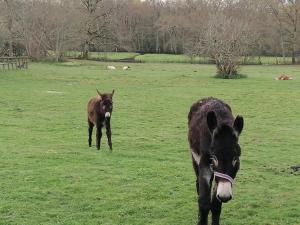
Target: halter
x,y
197,159
224,176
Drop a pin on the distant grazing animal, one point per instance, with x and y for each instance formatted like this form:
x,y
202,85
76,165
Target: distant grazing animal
x,y
111,67
284,77
126,67
99,110
213,136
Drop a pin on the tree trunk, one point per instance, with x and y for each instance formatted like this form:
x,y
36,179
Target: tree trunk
x,y
294,47
282,44
85,54
295,26
11,51
157,42
10,42
57,50
294,54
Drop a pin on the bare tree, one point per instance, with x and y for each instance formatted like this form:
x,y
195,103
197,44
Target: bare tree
x,y
136,29
170,26
275,9
63,36
96,22
9,9
225,37
221,29
35,26
287,14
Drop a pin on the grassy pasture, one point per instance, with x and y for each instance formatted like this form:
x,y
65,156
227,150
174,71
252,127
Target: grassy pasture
x,y
101,55
48,175
169,58
172,58
112,55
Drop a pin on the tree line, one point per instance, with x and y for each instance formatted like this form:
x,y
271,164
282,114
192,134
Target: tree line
x,y
220,29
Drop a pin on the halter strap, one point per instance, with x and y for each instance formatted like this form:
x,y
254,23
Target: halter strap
x,y
224,176
197,159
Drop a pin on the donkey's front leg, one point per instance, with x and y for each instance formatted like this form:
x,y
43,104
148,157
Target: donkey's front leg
x,y
204,181
98,136
216,207
108,133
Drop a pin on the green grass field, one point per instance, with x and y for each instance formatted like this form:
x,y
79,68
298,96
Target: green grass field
x,y
172,58
112,55
101,55
49,175
169,58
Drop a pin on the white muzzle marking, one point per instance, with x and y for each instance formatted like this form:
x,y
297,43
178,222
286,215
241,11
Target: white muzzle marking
x,y
107,114
224,190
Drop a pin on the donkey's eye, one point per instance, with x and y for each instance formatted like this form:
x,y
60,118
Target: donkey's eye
x,y
235,161
214,161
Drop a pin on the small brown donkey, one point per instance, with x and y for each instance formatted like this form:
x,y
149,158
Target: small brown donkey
x,y
213,137
99,110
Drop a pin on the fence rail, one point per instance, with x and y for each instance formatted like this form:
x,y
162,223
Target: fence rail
x,y
13,62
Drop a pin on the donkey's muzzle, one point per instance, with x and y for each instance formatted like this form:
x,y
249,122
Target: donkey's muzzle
x,y
224,191
107,114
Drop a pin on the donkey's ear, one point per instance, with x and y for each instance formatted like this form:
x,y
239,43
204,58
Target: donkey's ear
x,y
212,122
112,93
238,124
98,92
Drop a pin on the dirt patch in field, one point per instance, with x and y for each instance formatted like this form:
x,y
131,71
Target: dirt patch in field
x,y
55,92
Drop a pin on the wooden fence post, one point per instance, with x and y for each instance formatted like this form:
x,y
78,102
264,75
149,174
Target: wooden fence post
x,y
13,63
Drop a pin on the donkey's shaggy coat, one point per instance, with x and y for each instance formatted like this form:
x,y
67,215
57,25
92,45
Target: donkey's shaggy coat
x,y
99,111
213,137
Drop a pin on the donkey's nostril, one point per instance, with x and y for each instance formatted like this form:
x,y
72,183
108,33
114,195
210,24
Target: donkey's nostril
x,y
224,199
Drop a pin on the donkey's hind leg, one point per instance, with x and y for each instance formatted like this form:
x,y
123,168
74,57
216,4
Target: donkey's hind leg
x,y
196,169
91,126
98,137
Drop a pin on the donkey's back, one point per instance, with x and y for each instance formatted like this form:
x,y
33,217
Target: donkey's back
x,y
199,110
199,134
91,108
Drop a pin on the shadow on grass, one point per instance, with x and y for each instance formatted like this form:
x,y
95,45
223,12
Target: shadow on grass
x,y
237,76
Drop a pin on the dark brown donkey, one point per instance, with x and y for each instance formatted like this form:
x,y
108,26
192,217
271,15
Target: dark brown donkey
x,y
99,110
213,137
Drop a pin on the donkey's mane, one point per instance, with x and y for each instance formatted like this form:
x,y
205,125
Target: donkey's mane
x,y
205,104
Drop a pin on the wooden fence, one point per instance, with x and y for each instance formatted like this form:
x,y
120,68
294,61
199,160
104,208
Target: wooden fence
x,y
13,63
